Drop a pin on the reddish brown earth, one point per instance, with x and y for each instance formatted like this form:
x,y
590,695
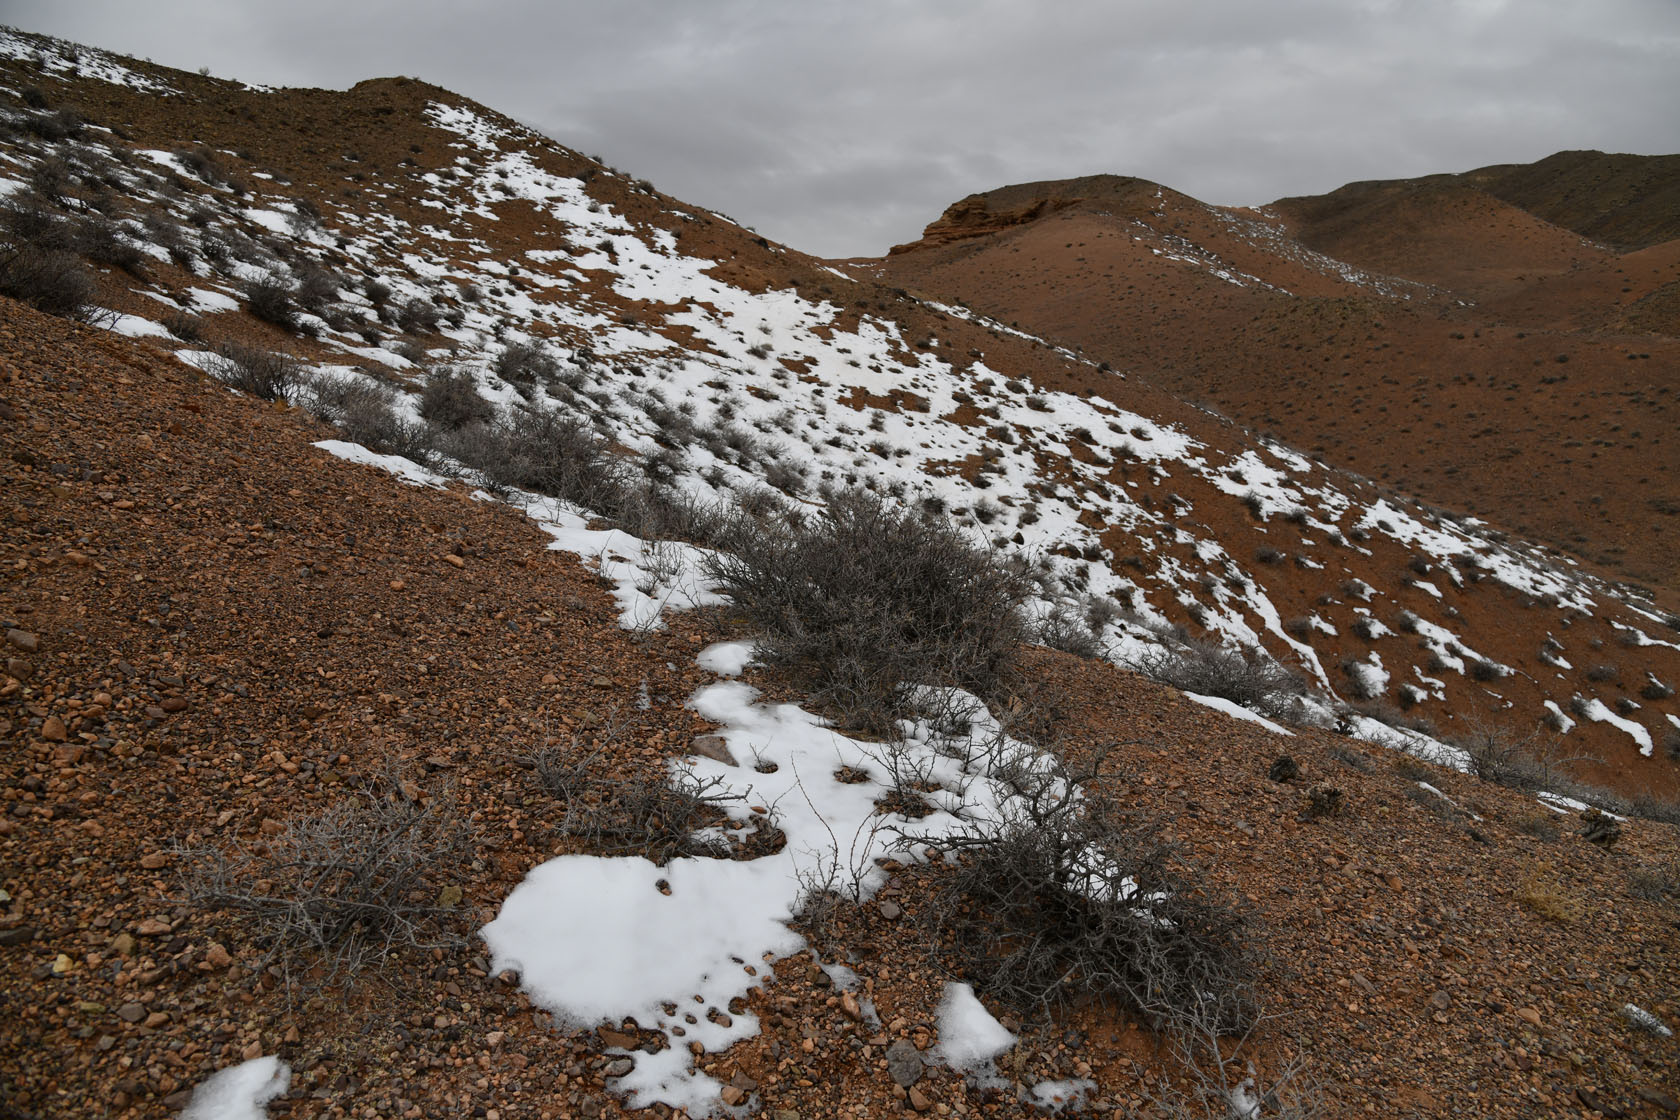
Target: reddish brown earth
x,y
222,628
1489,361
219,630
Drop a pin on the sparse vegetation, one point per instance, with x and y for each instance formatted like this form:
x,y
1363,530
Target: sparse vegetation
x,y
1244,676
368,874
867,595
264,374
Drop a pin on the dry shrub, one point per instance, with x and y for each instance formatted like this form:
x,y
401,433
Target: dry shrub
x,y
365,411
1542,892
1243,676
1065,903
38,264
262,373
346,885
451,400
864,596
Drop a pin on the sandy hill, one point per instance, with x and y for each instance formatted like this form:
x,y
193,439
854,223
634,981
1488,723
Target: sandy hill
x,y
385,484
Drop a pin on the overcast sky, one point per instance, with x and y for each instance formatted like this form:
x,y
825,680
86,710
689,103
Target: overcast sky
x,y
842,128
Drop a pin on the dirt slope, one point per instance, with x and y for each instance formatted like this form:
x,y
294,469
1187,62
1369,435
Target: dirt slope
x,y
215,627
1431,334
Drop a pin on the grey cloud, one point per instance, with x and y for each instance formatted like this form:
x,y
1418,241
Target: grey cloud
x,y
841,129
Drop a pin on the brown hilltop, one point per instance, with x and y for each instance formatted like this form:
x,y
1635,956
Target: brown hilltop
x,y
1443,335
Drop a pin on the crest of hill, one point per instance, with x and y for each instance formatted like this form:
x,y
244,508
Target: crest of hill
x,y
1324,320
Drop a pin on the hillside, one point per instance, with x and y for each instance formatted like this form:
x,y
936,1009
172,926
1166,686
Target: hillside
x,y
371,496
1429,334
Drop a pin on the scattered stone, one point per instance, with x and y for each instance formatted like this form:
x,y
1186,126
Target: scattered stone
x,y
217,956
152,927
731,1096
714,747
1440,1001
919,1100
1659,1098
904,1062
17,936
1529,1015
890,910
455,560
53,730
24,640
620,1066
849,1007
151,861
131,1012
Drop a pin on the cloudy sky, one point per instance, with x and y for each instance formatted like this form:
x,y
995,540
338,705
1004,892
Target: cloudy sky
x,y
841,128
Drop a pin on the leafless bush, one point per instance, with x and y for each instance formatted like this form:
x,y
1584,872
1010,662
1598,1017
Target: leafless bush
x,y
38,264
1655,689
367,874
187,328
269,298
451,401
548,452
101,242
1512,758
365,412
526,363
1061,629
1244,676
866,595
1064,903
262,373
654,815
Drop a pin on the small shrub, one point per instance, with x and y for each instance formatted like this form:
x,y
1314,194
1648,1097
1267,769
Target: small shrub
x,y
1541,891
365,412
1061,630
865,596
1244,676
526,363
1064,904
270,299
316,289
1604,672
1656,690
261,373
348,884
101,243
1511,758
187,328
202,164
1482,669
1653,882
38,265
451,400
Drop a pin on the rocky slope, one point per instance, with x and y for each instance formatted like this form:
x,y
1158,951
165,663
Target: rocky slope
x,y
212,613
1431,334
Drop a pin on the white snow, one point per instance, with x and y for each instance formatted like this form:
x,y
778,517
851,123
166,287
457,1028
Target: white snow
x,y
1237,711
406,469
727,659
133,326
240,1092
969,1037
1599,713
